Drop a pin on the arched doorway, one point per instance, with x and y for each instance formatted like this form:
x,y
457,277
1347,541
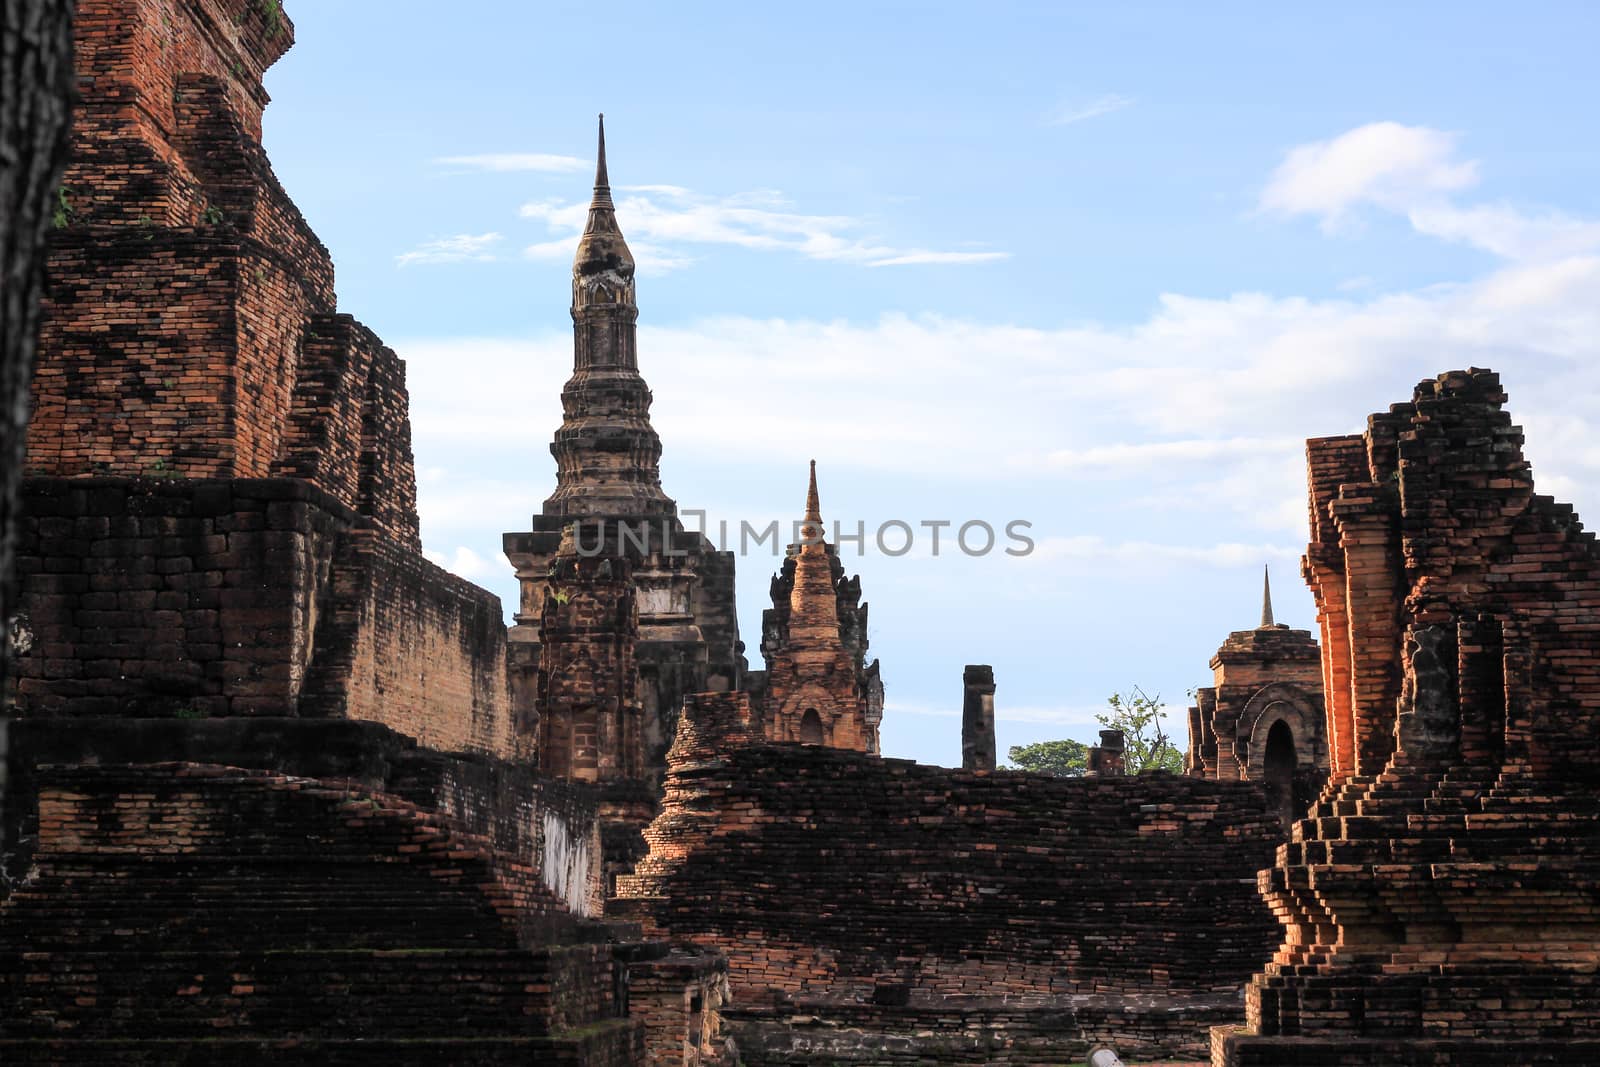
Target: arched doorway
x,y
1279,773
811,728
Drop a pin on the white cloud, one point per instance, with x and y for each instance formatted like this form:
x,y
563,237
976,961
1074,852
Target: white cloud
x,y
1508,232
560,214
1067,114
1093,549
662,217
463,563
1416,172
559,248
1124,456
659,190
1385,164
1201,409
916,258
461,248
510,162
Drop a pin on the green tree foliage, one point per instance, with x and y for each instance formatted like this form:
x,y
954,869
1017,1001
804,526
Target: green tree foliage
x,y
1138,715
1060,759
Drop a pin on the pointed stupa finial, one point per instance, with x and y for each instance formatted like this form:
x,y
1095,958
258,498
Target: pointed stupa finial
x,y
813,506
602,249
1266,597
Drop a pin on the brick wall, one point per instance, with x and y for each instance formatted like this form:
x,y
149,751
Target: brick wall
x,y
825,872
349,426
554,824
403,642
168,597
240,533
142,360
194,598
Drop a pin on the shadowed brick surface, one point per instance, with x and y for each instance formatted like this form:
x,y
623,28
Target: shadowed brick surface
x,y
185,901
842,885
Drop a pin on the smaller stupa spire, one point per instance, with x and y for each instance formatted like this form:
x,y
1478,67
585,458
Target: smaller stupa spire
x,y
1266,597
601,180
812,601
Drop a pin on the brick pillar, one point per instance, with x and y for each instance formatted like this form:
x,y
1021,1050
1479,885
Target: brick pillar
x,y
977,717
1107,757
1374,591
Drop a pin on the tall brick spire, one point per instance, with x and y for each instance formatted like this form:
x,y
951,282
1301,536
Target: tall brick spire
x,y
606,452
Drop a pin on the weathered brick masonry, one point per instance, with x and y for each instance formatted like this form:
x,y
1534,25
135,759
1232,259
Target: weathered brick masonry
x,y
1441,902
679,996
191,598
219,914
551,826
221,569
239,533
179,289
902,898
271,802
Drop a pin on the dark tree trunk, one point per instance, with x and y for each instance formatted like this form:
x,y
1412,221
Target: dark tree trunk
x,y
35,95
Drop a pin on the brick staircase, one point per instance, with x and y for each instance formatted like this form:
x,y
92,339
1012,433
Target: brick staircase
x,y
223,913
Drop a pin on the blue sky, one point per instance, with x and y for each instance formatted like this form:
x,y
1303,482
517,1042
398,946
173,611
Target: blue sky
x,y
1099,267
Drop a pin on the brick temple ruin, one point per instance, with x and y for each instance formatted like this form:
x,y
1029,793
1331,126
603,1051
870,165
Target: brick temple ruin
x,y
1262,717
282,790
1441,899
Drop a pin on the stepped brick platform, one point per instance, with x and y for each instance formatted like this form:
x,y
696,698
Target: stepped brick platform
x,y
997,910
552,826
194,904
1441,901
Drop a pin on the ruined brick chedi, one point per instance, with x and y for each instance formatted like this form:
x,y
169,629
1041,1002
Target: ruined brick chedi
x,y
608,486
816,690
1262,717
1441,901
